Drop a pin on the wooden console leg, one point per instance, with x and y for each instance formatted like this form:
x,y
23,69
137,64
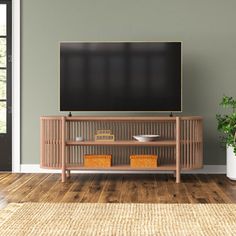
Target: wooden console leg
x,y
68,173
63,161
178,180
63,176
177,172
178,154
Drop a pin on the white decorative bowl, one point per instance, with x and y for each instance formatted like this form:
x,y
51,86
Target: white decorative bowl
x,y
79,139
147,138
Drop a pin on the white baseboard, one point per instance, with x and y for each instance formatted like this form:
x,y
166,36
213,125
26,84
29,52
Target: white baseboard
x,y
208,169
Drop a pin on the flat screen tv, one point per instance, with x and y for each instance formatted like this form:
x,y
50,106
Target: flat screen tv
x,y
120,76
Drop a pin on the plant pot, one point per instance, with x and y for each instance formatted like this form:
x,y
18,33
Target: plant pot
x,y
231,163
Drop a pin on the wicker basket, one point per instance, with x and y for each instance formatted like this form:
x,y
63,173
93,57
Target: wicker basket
x,y
97,160
143,161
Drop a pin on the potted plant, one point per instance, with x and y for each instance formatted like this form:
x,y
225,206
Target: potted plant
x,y
227,126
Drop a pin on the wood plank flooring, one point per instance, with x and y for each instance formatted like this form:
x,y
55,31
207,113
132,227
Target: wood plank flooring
x,y
117,188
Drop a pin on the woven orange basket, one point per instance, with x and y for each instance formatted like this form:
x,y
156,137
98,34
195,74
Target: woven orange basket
x,y
97,160
143,161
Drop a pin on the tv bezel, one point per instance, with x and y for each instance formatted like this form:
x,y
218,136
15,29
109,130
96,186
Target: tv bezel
x,y
116,111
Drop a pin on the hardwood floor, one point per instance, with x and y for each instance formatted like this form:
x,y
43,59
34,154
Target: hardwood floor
x,y
117,188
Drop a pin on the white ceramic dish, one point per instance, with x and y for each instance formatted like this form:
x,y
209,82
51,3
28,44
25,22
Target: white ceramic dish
x,y
147,138
79,139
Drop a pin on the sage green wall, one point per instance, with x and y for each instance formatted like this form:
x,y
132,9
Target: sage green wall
x,y
206,27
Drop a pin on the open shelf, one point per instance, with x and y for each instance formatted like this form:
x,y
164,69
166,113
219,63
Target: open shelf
x,y
122,168
123,143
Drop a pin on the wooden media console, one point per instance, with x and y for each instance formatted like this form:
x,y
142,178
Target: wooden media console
x,y
180,146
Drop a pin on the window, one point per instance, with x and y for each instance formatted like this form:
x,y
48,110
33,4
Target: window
x,y
5,24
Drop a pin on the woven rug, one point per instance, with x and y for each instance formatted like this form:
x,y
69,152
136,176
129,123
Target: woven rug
x,y
117,219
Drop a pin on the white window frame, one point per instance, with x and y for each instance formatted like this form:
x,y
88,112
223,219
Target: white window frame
x,y
16,148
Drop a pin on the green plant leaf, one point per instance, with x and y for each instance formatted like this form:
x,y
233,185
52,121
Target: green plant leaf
x,y
227,122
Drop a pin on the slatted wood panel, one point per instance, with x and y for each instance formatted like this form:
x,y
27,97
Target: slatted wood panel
x,y
123,129
51,143
191,143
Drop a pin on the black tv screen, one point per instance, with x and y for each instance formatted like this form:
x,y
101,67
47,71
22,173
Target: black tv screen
x,y
120,76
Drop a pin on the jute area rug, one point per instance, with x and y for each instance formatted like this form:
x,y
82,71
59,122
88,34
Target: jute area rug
x,y
117,219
